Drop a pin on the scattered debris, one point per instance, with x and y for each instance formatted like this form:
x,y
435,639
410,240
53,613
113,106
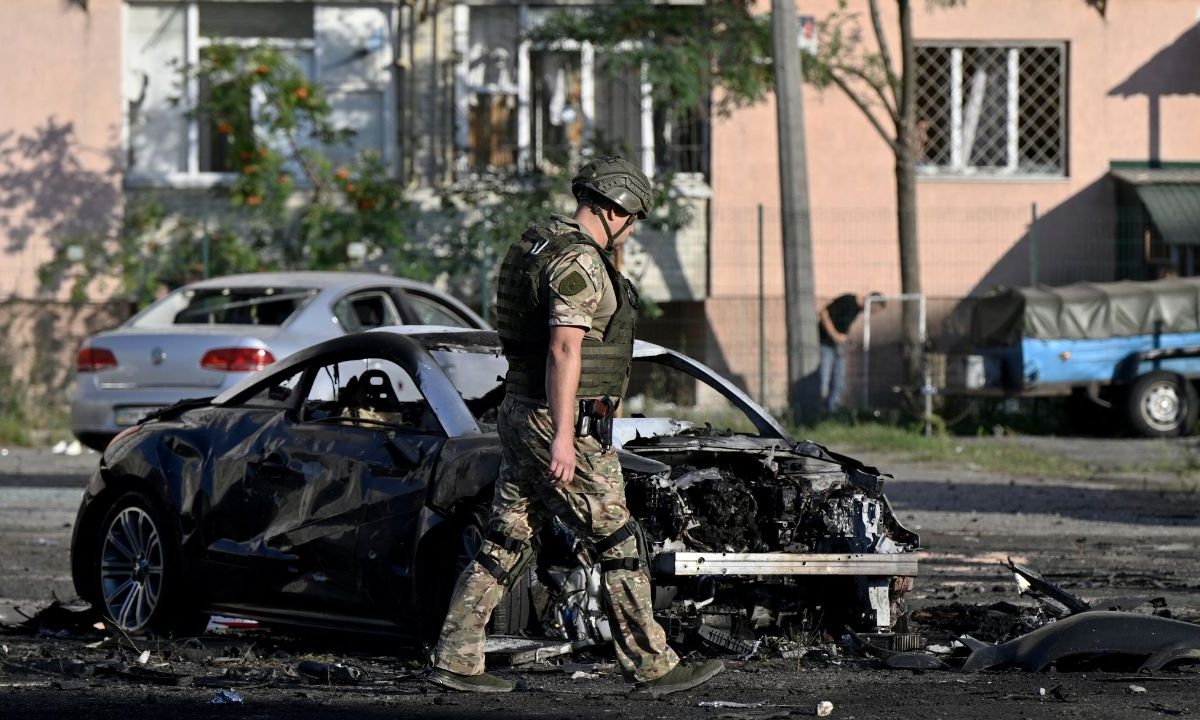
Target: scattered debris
x,y
727,704
330,673
824,708
226,697
1100,632
57,619
581,675
1031,583
1136,689
144,657
1167,709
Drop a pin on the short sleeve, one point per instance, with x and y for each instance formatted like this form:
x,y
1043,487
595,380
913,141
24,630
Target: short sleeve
x,y
576,286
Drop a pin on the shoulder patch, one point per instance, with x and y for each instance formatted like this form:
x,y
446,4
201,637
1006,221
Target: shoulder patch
x,y
572,284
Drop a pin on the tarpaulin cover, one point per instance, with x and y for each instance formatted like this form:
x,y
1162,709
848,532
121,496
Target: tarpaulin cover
x,y
1087,311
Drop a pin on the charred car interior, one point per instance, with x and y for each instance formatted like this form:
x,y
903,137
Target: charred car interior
x,y
346,486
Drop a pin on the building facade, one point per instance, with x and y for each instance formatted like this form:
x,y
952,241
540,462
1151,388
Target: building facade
x,y
1041,124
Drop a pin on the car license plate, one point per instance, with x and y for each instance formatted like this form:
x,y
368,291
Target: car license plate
x,y
133,415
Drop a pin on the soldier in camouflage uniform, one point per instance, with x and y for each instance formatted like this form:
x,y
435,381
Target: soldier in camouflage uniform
x,y
566,317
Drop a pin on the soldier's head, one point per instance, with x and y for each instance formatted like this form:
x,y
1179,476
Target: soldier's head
x,y
616,192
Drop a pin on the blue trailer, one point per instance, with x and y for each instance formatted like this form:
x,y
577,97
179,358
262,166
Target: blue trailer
x,y
1133,347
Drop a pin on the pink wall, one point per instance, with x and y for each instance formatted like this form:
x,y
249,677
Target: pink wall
x,y
967,226
972,232
60,127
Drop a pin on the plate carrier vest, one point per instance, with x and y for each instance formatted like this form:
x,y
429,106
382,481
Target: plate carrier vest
x,y
523,312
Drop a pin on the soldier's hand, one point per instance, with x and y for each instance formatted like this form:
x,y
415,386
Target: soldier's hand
x,y
562,461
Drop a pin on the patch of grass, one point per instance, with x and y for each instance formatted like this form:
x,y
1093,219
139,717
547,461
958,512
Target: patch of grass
x,y
910,443
14,430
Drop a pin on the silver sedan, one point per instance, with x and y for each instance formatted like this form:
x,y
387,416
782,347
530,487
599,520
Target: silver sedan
x,y
205,337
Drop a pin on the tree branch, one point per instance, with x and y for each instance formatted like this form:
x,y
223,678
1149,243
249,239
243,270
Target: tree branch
x,y
892,111
866,110
884,51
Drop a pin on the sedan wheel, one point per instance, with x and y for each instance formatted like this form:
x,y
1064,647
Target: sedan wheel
x,y
131,568
136,579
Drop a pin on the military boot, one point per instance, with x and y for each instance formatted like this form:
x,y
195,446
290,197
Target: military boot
x,y
482,683
682,677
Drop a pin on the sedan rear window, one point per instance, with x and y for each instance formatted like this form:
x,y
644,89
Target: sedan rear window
x,y
225,306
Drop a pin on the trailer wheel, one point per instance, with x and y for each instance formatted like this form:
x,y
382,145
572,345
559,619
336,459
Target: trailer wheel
x,y
1161,404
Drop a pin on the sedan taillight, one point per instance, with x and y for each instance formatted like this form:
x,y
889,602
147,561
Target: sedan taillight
x,y
236,359
91,359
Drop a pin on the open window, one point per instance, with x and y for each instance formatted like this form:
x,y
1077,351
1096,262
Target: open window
x,y
369,392
345,47
366,310
526,106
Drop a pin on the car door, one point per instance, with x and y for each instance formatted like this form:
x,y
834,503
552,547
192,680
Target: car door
x,y
376,440
424,308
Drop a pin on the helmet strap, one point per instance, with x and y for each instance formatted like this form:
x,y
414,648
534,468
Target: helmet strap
x,y
608,246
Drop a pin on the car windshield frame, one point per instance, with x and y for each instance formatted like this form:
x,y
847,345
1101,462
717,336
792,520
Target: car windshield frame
x,y
164,313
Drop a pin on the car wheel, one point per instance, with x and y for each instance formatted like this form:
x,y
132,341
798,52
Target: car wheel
x,y
137,581
1161,404
512,615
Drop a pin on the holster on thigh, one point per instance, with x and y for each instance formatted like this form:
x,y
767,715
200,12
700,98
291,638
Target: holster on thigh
x,y
494,562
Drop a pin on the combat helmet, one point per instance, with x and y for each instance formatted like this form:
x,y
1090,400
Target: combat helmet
x,y
616,180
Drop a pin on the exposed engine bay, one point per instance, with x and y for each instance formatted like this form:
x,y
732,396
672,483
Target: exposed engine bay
x,y
749,498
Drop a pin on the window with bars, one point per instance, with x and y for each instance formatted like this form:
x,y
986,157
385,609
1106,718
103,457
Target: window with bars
x,y
991,109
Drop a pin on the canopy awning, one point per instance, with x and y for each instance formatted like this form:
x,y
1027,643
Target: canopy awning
x,y
1172,197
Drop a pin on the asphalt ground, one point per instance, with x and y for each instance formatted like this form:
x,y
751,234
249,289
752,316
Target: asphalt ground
x,y
1120,532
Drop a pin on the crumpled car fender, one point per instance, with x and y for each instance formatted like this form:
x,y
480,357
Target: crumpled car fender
x,y
1160,640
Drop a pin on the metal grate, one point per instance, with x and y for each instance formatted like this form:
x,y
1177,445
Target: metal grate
x,y
991,109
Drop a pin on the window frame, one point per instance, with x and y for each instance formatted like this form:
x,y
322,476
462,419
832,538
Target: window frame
x,y
528,155
411,317
353,295
959,169
191,177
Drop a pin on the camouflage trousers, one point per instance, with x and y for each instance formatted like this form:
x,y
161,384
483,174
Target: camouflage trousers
x,y
592,506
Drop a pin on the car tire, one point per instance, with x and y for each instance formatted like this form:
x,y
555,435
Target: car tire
x,y
460,543
1161,404
135,570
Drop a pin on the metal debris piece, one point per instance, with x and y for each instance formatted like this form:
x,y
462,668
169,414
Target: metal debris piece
x,y
725,641
511,651
1136,689
727,704
330,673
226,697
1033,584
1167,709
1099,632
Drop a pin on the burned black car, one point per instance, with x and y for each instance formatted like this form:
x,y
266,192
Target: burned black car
x,y
345,486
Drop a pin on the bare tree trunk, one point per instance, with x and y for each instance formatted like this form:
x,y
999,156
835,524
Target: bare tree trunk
x,y
906,197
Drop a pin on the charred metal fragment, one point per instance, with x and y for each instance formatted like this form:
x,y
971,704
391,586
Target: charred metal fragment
x,y
1098,633
1032,583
